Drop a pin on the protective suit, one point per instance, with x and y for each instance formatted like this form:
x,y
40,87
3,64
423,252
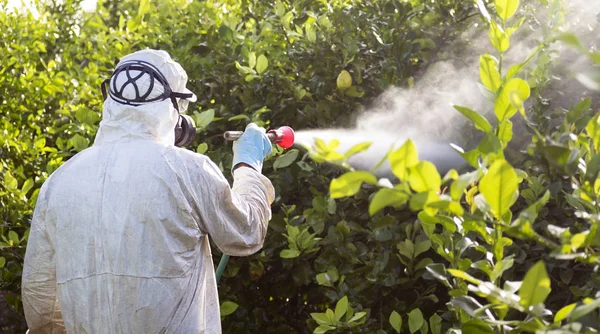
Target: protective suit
x,y
119,238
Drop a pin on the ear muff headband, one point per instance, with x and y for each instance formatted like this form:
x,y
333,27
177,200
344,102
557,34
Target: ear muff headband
x,y
143,68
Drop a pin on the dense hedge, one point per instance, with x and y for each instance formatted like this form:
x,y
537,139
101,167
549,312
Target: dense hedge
x,y
278,62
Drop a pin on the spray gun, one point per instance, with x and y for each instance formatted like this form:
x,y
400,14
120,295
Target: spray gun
x,y
282,137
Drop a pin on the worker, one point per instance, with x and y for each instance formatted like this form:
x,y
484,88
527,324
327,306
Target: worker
x,y
119,240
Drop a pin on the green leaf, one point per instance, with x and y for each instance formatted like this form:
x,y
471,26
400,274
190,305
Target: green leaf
x,y
501,267
355,91
435,324
324,279
422,247
498,37
261,64
403,158
251,59
571,40
488,72
396,321
323,329
238,117
463,275
424,177
204,118
331,206
564,312
202,148
458,187
490,144
287,19
582,310
349,184
415,320
425,328
506,8
10,182
474,326
419,200
593,168
536,285
40,143
515,69
582,107
228,307
438,270
562,157
499,187
344,80
341,307
357,317
289,253
356,149
466,303
386,197
595,56
322,319
479,121
406,248
279,9
27,186
244,69
309,29
330,316
286,159
2,261
505,132
578,240
14,237
79,142
511,99
143,8
450,175
593,130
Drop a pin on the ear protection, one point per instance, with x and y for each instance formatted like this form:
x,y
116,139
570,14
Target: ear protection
x,y
185,129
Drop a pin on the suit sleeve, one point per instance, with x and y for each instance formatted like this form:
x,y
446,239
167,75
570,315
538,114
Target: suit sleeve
x,y
40,303
235,217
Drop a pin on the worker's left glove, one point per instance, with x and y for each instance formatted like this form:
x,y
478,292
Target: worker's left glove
x,y
251,148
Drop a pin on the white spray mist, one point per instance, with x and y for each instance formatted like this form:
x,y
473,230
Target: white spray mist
x,y
425,113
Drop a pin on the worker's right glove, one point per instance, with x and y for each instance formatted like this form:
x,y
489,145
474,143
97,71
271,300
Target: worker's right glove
x,y
251,148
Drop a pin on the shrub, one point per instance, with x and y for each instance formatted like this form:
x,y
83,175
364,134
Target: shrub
x,y
338,256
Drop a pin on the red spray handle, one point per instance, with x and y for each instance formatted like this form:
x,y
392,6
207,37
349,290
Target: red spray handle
x,y
283,137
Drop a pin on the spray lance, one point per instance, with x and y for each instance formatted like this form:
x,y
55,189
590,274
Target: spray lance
x,y
282,137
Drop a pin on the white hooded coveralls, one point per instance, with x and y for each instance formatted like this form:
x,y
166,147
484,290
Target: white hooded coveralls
x,y
119,238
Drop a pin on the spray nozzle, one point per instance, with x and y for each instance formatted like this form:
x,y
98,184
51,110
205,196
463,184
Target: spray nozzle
x,y
283,136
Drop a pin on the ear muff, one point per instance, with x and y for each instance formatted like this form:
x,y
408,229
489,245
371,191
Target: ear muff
x,y
185,131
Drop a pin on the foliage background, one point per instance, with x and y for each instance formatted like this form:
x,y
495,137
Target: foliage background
x,y
279,62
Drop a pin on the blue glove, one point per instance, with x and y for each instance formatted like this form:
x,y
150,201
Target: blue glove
x,y
252,147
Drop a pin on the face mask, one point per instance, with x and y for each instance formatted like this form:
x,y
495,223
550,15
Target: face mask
x,y
123,88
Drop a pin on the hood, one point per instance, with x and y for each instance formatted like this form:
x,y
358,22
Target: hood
x,y
149,121
153,121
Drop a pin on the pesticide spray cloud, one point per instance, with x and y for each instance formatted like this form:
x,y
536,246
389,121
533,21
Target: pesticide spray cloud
x,y
425,113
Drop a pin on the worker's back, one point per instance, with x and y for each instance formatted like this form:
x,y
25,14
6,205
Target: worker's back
x,y
137,252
